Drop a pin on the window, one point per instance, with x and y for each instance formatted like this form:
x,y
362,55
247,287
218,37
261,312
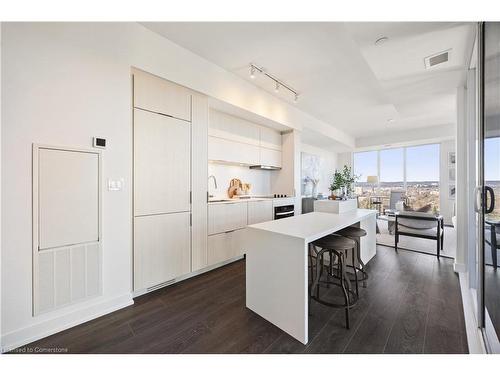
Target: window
x,y
492,171
422,175
365,164
414,170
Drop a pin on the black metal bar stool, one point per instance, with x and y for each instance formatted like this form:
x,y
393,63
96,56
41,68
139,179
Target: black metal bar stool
x,y
355,233
338,248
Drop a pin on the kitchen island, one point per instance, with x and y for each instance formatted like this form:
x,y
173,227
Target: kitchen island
x,y
277,264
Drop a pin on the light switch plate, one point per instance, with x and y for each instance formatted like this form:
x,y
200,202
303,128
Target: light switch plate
x,y
115,185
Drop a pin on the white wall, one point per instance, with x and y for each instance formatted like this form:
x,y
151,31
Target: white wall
x,y
260,180
445,203
397,138
328,166
68,82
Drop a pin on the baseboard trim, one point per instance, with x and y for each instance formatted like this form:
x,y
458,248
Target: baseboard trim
x,y
51,326
474,337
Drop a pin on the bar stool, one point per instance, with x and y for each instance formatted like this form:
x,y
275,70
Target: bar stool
x,y
355,233
338,248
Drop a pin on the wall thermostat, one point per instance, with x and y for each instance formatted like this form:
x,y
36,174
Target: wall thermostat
x,y
99,142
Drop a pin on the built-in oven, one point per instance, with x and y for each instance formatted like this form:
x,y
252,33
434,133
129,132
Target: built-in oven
x,y
280,212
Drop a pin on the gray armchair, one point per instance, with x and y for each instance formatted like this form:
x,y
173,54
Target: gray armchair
x,y
420,225
492,238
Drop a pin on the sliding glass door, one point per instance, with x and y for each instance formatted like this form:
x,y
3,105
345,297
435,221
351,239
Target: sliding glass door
x,y
488,184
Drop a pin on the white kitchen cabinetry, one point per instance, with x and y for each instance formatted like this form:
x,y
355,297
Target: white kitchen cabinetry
x,y
158,95
220,149
234,140
270,138
260,211
162,180
226,217
224,246
161,248
270,157
165,208
233,128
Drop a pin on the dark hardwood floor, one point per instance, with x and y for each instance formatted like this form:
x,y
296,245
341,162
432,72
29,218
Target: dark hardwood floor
x,y
412,304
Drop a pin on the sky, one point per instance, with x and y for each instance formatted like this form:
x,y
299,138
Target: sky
x,y
492,159
422,164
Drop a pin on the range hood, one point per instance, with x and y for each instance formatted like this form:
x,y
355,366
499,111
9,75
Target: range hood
x,y
265,167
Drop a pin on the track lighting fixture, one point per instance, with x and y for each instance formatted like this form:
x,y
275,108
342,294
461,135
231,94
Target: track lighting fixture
x,y
255,68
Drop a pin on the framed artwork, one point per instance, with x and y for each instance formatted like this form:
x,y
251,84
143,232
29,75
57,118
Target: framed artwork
x,y
451,191
451,159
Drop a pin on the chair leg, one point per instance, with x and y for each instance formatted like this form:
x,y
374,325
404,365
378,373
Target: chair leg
x,y
355,270
342,283
494,256
396,240
316,278
438,245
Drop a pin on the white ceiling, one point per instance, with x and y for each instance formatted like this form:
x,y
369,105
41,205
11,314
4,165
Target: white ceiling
x,y
343,78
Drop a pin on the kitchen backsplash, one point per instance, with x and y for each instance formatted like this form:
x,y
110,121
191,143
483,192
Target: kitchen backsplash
x,y
260,180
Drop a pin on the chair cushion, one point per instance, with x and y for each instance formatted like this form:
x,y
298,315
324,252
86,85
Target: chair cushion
x,y
335,242
426,232
352,232
415,223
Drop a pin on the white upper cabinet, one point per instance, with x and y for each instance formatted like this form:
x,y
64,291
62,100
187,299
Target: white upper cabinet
x,y
270,138
233,128
158,95
220,149
235,140
270,157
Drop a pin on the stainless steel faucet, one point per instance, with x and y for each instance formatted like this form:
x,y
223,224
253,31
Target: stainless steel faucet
x,y
215,184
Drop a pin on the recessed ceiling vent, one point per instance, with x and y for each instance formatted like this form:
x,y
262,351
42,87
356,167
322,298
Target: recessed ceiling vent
x,y
437,59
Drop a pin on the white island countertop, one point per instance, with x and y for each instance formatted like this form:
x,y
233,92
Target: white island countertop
x,y
313,225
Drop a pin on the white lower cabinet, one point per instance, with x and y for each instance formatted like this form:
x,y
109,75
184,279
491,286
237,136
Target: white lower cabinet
x,y
224,217
162,249
223,246
260,211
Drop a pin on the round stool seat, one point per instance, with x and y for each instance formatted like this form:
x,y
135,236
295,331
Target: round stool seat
x,y
352,232
335,242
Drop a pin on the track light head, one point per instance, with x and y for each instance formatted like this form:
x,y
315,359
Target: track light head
x,y
252,72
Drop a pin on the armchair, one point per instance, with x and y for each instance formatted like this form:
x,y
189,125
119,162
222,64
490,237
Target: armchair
x,y
421,225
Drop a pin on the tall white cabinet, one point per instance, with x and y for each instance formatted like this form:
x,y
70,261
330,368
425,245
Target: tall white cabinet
x,y
167,245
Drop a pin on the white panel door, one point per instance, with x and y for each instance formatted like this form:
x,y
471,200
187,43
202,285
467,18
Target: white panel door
x,y
158,95
233,152
260,211
162,164
270,157
162,249
68,197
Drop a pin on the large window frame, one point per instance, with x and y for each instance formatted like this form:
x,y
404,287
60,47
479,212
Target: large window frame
x,y
379,184
405,174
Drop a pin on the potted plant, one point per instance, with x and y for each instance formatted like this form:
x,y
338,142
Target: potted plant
x,y
343,183
337,184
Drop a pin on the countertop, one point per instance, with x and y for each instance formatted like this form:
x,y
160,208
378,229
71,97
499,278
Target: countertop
x,y
243,200
313,225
